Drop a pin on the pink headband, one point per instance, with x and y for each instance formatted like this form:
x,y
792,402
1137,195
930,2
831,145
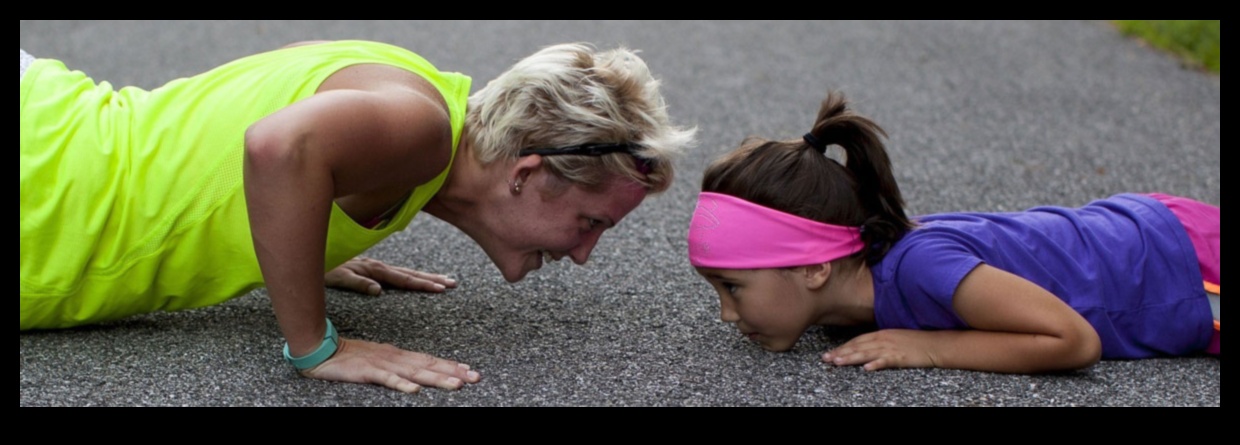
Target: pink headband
x,y
730,233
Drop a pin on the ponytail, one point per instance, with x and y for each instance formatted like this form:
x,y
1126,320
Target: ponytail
x,y
866,159
796,177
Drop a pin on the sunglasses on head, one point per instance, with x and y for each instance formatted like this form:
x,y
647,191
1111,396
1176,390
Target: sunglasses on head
x,y
644,165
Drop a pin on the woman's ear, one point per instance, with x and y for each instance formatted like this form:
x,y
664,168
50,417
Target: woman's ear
x,y
816,275
519,174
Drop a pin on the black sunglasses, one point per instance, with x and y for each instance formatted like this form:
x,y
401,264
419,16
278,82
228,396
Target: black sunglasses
x,y
643,165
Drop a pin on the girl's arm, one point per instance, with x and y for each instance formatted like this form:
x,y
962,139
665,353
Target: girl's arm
x,y
298,160
1018,327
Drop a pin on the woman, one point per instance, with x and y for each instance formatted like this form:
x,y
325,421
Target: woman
x,y
273,168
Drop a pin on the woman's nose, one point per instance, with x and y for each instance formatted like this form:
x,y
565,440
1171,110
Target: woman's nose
x,y
581,253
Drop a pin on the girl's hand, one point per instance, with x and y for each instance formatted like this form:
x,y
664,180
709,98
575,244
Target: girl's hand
x,y
358,361
367,276
888,348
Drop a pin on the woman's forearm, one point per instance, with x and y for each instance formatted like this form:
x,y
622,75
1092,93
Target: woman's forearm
x,y
289,198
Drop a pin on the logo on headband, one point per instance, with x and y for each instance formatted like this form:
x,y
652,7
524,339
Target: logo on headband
x,y
703,219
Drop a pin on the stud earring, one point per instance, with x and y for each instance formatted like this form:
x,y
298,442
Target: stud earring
x,y
516,187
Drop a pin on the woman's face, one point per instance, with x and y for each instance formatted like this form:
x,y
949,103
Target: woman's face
x,y
550,219
769,306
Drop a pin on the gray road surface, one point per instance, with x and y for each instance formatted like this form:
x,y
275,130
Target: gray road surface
x,y
982,116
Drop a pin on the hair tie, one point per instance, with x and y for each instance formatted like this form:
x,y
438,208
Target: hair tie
x,y
814,142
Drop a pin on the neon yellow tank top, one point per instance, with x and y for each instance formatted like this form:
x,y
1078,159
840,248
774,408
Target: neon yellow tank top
x,y
132,201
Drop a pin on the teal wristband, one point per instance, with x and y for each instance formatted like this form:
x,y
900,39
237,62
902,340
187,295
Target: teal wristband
x,y
325,351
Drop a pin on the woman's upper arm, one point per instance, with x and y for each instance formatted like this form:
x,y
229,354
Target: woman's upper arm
x,y
992,299
368,139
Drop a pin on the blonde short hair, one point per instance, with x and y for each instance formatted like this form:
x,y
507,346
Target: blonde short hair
x,y
569,94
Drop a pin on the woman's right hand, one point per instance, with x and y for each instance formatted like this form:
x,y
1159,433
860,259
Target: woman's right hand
x,y
359,361
368,276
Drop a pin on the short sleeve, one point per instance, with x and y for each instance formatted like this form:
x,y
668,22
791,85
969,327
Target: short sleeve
x,y
923,280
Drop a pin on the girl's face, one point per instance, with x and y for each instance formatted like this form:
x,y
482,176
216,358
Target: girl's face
x,y
770,306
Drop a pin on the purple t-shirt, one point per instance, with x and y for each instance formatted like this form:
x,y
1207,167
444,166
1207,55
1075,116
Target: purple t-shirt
x,y
1125,263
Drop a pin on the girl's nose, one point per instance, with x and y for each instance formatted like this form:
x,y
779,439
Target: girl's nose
x,y
727,313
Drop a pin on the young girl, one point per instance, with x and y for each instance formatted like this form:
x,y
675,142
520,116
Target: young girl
x,y
790,238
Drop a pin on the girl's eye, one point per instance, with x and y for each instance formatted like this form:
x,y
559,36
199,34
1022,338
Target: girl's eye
x,y
592,224
731,288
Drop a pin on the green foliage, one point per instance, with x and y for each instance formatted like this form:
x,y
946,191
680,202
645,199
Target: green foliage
x,y
1196,41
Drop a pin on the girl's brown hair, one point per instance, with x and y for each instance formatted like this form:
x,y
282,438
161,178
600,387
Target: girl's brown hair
x,y
796,177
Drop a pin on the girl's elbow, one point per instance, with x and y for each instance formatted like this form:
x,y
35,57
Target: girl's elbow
x,y
1086,348
1095,351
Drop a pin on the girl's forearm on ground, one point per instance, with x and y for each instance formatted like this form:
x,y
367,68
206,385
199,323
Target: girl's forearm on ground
x,y
1008,352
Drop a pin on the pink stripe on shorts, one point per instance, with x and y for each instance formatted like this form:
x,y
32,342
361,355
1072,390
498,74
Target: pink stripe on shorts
x,y
1201,220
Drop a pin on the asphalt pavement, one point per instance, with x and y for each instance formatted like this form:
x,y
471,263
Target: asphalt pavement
x,y
988,116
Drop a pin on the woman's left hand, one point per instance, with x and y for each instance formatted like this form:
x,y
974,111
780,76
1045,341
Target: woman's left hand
x,y
368,276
